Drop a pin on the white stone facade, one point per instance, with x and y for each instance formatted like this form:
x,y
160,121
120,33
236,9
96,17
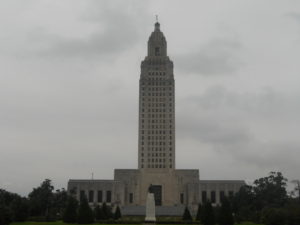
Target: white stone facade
x,y
156,151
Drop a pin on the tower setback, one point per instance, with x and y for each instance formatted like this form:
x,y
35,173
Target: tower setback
x,y
157,106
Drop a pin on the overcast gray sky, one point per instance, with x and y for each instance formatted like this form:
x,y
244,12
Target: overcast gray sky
x,y
69,74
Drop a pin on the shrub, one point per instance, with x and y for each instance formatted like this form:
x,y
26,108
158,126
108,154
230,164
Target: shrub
x,y
187,215
5,216
225,213
70,213
117,214
207,214
198,216
85,213
273,216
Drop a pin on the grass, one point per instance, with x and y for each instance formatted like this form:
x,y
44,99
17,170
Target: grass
x,y
62,223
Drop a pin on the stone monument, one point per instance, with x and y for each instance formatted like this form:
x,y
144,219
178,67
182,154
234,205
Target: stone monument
x,y
150,206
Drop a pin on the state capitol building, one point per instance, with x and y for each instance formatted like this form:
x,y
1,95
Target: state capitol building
x,y
173,188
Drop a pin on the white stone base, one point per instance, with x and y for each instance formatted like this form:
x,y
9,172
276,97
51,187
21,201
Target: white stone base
x,y
150,208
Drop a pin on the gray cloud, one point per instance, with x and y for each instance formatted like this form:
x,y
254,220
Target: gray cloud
x,y
69,74
117,33
217,57
228,122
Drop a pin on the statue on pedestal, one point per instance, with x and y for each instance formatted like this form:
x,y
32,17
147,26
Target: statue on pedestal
x,y
150,206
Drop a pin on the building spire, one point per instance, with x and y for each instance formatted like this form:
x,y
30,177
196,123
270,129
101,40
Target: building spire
x,y
157,25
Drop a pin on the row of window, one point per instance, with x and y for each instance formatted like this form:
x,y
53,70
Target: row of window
x,y
156,166
213,196
157,154
157,121
156,160
156,99
156,110
156,148
156,143
157,83
156,126
156,73
156,88
156,115
156,137
157,94
100,196
157,104
156,132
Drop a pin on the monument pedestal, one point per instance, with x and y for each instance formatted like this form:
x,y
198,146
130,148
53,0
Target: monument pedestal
x,y
150,209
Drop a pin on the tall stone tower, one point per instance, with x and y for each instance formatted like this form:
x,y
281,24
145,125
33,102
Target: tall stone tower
x,y
156,147
173,188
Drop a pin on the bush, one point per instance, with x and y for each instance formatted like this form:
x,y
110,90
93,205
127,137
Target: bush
x,y
187,215
117,214
20,209
273,216
198,216
107,213
70,213
293,215
207,214
5,216
98,213
85,213
225,213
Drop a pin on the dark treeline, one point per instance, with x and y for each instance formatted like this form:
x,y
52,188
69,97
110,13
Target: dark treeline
x,y
265,201
46,204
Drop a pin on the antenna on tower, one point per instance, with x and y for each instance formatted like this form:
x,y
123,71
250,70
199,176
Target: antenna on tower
x,y
92,175
156,18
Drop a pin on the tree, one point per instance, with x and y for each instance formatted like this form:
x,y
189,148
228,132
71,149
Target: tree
x,y
187,215
70,213
225,213
297,188
107,213
40,199
117,214
198,215
273,216
207,214
59,203
270,191
5,217
20,209
98,213
85,213
13,207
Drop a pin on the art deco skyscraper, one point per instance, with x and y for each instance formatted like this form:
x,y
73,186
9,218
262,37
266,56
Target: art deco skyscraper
x,y
157,106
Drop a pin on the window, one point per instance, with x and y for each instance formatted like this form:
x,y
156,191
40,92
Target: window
x,y
81,194
130,197
99,196
108,196
230,194
91,196
222,196
157,53
204,196
181,198
213,197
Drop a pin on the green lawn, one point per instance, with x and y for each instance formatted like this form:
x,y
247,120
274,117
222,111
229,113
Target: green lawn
x,y
61,223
